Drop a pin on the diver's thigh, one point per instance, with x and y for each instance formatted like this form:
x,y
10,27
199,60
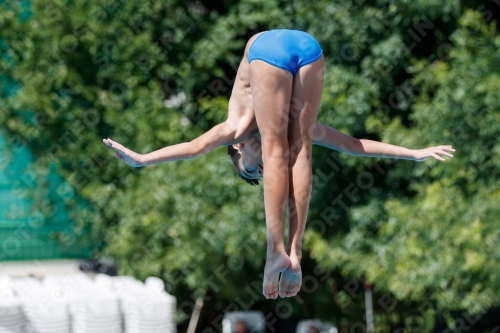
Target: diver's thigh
x,y
305,102
271,92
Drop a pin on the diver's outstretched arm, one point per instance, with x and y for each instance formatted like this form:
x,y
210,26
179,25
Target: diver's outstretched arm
x,y
331,138
220,135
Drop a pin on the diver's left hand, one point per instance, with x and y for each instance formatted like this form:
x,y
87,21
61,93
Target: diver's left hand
x,y
126,155
423,154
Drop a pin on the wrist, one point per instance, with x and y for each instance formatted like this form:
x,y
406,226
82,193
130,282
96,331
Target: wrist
x,y
413,154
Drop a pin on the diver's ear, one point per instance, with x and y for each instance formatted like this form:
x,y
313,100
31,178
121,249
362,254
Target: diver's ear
x,y
239,146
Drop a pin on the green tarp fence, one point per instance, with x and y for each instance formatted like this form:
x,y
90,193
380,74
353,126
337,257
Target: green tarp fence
x,y
26,233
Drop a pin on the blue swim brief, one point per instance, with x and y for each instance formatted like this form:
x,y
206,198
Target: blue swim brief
x,y
284,48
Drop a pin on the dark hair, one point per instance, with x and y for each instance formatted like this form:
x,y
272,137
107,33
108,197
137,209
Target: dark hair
x,y
235,157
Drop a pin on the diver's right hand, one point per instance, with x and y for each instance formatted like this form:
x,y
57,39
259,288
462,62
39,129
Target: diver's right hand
x,y
126,155
434,152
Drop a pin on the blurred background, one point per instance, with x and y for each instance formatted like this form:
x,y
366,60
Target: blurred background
x,y
154,73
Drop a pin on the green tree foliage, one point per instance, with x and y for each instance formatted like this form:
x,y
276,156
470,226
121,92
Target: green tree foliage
x,y
411,73
436,243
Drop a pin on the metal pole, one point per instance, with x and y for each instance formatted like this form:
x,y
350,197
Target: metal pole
x,y
369,308
196,314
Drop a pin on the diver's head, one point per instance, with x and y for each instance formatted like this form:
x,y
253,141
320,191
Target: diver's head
x,y
247,159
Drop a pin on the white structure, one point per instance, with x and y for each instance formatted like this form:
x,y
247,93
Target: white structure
x,y
12,319
78,304
254,320
323,327
145,307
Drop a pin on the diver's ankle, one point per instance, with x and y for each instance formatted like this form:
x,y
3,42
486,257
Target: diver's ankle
x,y
294,251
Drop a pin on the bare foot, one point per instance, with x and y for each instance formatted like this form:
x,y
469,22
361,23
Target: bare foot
x,y
291,278
276,262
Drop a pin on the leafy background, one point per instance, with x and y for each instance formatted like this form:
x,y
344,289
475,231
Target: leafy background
x,y
412,73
